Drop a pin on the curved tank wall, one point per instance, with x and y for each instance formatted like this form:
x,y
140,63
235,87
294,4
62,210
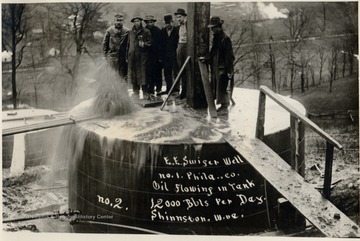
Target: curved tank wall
x,y
173,172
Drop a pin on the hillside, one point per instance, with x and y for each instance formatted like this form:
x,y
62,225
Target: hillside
x,y
344,96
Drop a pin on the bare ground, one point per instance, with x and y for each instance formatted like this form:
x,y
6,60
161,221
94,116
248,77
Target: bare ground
x,y
346,174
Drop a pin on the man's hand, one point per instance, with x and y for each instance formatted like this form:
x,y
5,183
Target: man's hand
x,y
202,59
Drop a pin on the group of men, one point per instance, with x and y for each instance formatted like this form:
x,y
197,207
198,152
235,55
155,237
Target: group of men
x,y
139,55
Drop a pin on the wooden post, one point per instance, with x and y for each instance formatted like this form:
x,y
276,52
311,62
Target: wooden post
x,y
301,149
286,216
297,135
297,145
197,45
261,116
293,142
328,170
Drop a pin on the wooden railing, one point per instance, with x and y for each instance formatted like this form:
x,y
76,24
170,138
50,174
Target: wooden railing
x,y
297,132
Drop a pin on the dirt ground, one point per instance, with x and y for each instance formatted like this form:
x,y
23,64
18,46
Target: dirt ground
x,y
28,196
346,174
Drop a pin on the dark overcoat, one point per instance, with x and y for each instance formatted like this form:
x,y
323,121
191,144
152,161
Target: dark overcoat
x,y
138,56
170,43
155,49
221,59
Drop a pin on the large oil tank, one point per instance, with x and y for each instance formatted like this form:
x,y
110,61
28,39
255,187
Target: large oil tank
x,y
171,171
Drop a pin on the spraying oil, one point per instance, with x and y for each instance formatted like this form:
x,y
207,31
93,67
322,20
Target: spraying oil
x,y
112,97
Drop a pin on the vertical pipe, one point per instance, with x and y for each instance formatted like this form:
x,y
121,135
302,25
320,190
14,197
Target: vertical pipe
x,y
328,170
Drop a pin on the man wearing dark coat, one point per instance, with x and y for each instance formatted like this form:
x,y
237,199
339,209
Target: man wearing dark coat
x,y
181,50
154,67
171,38
221,59
114,45
137,54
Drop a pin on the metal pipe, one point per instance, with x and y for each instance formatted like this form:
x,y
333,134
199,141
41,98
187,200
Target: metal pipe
x,y
45,125
34,116
49,215
120,226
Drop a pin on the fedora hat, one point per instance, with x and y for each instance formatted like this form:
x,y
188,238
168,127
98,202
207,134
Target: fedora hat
x,y
149,18
119,15
180,11
168,18
215,21
136,17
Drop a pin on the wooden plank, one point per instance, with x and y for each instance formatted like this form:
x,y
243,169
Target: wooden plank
x,y
207,88
153,104
302,195
300,116
175,82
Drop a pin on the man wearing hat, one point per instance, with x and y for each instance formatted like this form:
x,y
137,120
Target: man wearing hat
x,y
114,45
182,49
171,39
221,59
137,55
154,76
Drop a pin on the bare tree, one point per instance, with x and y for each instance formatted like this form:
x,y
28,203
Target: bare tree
x,y
321,52
321,17
14,29
240,37
78,25
272,65
298,25
256,56
304,63
248,52
312,73
349,17
22,84
333,62
343,61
